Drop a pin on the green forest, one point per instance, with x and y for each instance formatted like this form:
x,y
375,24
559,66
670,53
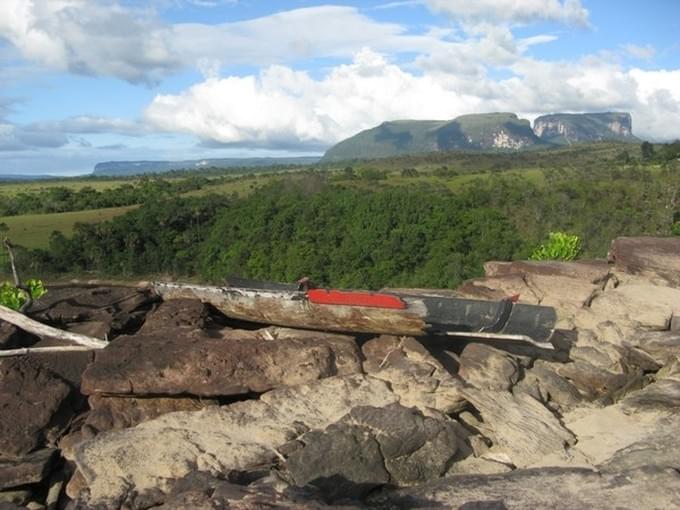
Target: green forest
x,y
373,229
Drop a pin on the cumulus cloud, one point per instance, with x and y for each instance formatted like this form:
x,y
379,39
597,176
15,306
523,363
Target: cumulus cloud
x,y
512,11
640,52
16,138
282,107
84,37
94,37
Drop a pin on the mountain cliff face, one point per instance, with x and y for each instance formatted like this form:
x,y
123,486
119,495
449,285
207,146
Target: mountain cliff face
x,y
488,131
568,128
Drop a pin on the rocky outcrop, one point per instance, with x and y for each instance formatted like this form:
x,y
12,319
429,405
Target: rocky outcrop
x,y
207,365
569,128
651,258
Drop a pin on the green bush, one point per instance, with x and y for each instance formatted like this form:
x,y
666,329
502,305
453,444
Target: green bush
x,y
560,246
675,228
14,298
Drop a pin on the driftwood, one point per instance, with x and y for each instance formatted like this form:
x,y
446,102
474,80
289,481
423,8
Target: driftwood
x,y
43,330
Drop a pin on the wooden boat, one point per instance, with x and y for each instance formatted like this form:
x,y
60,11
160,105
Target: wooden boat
x,y
372,312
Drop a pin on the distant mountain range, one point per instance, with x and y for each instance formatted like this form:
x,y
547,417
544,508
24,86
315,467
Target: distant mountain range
x,y
487,131
123,168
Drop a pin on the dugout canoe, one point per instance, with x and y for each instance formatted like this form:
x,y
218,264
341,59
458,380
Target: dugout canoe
x,y
395,313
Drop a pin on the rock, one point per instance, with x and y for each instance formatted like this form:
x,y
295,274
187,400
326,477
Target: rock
x,y
638,306
591,381
35,407
201,491
418,378
663,346
68,366
120,308
370,447
499,287
485,367
654,258
115,413
31,468
217,439
521,428
176,313
18,497
664,394
564,488
544,384
236,362
96,329
592,271
13,338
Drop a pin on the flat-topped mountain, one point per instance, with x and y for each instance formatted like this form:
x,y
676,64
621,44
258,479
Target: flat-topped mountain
x,y
568,128
487,131
482,132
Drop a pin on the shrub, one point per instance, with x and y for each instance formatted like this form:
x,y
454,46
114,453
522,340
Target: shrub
x,y
14,298
560,246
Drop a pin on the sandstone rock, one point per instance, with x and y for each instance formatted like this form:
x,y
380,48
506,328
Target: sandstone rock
x,y
114,413
654,258
520,427
592,271
370,447
97,329
499,287
544,383
201,491
120,308
638,306
418,378
12,338
663,346
17,497
217,439
29,469
196,363
564,488
35,406
664,394
176,313
68,366
488,368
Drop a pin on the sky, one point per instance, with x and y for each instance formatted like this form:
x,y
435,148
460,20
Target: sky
x,y
85,81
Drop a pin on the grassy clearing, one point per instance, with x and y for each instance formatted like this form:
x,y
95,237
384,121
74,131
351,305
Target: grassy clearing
x,y
14,188
34,230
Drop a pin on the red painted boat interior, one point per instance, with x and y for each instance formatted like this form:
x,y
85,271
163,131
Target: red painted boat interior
x,y
353,298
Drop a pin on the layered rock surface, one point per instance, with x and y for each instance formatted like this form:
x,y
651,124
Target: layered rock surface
x,y
186,409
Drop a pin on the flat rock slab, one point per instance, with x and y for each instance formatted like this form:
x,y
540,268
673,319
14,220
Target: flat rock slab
x,y
522,429
33,406
32,468
177,313
218,439
485,367
592,271
656,258
236,362
373,446
564,488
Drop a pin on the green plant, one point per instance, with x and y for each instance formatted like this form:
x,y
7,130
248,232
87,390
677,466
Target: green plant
x,y
13,297
675,228
560,246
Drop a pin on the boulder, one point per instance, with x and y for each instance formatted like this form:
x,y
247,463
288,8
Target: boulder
x,y
193,362
217,439
35,407
654,258
564,488
373,446
176,313
591,271
485,367
117,308
521,429
115,413
413,373
29,469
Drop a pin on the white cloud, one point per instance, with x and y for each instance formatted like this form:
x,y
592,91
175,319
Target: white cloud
x,y
512,11
285,108
645,52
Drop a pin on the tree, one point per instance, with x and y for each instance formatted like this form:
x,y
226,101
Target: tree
x,y
647,151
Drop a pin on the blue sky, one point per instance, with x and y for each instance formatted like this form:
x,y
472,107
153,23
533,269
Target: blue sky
x,y
83,81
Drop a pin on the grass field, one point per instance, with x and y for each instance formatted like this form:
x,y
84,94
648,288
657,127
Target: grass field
x,y
14,188
34,230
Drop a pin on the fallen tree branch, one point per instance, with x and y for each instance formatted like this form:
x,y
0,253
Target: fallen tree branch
x,y
38,350
43,330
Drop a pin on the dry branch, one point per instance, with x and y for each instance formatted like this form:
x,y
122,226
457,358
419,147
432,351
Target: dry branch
x,y
6,353
43,330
